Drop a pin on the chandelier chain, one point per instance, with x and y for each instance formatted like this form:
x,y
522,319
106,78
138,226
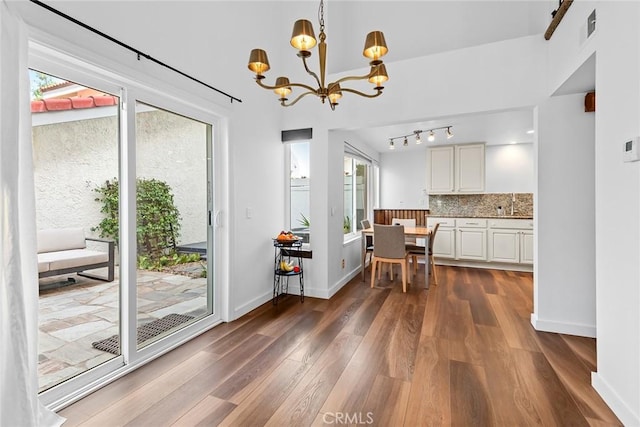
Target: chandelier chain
x,y
321,16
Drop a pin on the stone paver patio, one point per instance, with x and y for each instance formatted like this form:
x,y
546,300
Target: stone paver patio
x,y
72,317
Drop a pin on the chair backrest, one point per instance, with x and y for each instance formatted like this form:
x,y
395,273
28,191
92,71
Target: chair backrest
x,y
407,222
366,224
432,238
389,241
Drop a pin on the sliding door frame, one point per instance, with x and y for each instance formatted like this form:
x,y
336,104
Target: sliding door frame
x,y
59,58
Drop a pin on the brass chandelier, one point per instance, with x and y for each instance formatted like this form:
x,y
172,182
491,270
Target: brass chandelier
x,y
303,38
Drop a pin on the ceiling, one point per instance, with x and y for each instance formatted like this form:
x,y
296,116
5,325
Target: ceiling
x,y
492,128
419,28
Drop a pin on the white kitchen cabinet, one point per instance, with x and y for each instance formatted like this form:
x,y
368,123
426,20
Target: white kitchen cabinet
x,y
471,239
456,169
469,167
511,241
440,169
444,245
504,245
526,247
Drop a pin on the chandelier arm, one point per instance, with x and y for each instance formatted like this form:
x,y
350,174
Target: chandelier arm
x,y
311,73
366,95
311,92
348,78
309,88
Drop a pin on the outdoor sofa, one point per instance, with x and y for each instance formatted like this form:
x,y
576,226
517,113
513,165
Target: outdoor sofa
x,y
64,250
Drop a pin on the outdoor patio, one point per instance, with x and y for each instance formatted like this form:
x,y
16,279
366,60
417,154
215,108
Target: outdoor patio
x,y
73,317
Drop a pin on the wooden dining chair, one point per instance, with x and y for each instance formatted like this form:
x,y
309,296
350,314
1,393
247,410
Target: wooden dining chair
x,y
416,251
368,244
407,222
390,248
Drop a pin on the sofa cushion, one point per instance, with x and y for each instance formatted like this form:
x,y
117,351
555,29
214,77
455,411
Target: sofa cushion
x,y
72,258
60,239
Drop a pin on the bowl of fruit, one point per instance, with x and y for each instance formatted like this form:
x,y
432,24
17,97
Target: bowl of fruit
x,y
287,237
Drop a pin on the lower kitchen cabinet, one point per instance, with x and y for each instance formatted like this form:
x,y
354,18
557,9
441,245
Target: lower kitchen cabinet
x,y
471,239
504,242
526,247
511,240
444,246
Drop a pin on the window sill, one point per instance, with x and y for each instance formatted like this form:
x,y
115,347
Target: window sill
x,y
351,237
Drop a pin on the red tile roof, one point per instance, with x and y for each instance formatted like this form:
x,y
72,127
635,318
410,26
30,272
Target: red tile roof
x,y
73,103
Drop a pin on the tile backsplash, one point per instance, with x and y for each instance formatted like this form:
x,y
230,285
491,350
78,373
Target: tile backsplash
x,y
480,204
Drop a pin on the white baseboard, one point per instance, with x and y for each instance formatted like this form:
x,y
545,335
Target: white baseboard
x,y
612,399
527,268
251,305
567,328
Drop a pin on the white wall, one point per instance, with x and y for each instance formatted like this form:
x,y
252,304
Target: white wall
x,y
616,42
509,168
402,179
564,279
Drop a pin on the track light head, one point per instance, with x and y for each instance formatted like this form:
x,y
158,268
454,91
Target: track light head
x,y
418,138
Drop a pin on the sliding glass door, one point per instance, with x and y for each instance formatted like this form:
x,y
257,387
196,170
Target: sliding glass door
x,y
75,134
171,221
124,202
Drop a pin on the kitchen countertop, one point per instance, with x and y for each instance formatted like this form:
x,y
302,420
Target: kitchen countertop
x,y
483,216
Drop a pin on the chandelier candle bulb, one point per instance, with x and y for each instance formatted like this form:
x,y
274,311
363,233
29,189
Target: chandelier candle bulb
x,y
303,38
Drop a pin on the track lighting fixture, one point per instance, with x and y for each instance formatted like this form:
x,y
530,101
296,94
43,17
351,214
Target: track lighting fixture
x,y
431,136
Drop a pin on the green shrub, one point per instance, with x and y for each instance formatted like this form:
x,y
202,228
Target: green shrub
x,y
157,222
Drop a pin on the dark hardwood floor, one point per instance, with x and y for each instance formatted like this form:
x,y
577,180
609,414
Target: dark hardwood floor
x,y
462,353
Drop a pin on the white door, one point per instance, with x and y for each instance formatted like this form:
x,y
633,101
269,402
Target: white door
x,y
469,168
444,245
504,246
471,244
440,170
526,247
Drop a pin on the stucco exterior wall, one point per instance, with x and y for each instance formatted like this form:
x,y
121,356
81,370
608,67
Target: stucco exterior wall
x,y
72,158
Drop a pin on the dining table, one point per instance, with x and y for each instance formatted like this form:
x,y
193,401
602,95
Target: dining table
x,y
413,232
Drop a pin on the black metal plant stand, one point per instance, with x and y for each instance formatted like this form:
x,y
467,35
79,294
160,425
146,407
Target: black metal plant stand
x,y
286,251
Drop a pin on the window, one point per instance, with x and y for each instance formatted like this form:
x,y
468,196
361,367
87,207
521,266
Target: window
x,y
299,201
359,191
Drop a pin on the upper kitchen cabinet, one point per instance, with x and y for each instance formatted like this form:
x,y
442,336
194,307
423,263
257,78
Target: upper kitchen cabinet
x,y
456,169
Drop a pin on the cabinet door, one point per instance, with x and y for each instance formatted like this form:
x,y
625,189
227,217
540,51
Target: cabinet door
x,y
526,247
469,166
444,245
504,245
440,166
471,243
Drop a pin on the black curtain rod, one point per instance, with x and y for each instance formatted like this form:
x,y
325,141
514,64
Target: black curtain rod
x,y
133,49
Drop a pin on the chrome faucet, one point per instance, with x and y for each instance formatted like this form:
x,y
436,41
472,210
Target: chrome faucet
x,y
513,201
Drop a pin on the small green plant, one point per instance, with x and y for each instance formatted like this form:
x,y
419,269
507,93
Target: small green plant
x,y
346,225
304,221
